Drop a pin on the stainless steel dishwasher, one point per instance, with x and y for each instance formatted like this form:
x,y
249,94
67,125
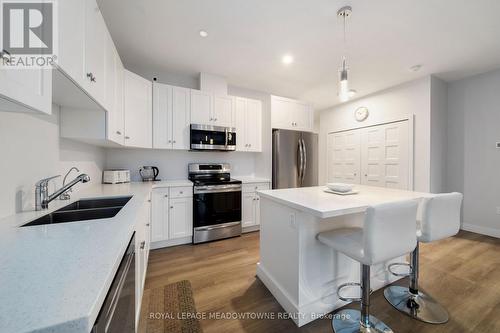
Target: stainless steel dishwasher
x,y
117,314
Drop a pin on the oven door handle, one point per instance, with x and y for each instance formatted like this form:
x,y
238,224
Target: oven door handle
x,y
225,225
216,189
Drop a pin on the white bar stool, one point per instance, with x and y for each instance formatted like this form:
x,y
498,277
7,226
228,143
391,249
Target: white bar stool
x,y
388,232
440,219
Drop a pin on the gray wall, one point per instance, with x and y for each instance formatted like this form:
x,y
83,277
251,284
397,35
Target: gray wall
x,y
439,119
31,149
473,161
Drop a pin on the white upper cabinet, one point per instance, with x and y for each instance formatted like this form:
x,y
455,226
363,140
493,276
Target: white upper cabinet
x,y
248,123
25,90
171,116
223,111
291,114
95,46
116,114
71,55
138,111
201,107
210,109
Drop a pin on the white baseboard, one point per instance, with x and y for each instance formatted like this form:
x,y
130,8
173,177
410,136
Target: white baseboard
x,y
481,230
171,242
250,229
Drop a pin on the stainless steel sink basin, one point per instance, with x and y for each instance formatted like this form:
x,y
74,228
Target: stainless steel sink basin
x,y
87,209
96,203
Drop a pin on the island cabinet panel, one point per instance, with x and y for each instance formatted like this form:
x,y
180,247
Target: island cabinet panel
x,y
250,208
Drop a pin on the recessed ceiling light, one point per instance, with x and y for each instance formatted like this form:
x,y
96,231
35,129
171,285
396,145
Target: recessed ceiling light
x,y
203,33
352,92
415,68
287,59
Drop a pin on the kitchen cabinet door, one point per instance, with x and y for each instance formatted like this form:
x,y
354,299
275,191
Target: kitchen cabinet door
x,y
253,121
257,210
162,116
181,218
223,111
304,117
291,114
25,90
95,45
159,215
109,76
138,111
71,57
240,112
116,126
201,107
248,209
181,118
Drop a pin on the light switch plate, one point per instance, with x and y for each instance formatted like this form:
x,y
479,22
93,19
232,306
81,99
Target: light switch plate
x,y
498,145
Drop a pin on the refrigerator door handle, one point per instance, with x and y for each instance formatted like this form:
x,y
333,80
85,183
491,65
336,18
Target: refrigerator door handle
x,y
300,162
304,153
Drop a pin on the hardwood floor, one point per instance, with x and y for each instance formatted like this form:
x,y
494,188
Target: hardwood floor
x,y
462,272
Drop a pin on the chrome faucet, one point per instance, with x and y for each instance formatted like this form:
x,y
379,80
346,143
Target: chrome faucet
x,y
65,195
42,197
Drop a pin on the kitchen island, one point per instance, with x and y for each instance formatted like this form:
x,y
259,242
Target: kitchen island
x,y
301,273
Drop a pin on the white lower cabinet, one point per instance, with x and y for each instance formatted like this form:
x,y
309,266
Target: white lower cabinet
x,y
172,216
250,207
142,246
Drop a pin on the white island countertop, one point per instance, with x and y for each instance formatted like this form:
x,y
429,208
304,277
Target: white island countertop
x,y
54,278
325,205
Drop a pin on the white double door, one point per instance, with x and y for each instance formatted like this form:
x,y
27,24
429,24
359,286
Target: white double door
x,y
375,156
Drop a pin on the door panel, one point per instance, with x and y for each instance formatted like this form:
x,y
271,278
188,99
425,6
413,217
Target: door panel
x,y
201,107
254,125
162,116
240,105
344,157
180,217
223,111
247,210
159,218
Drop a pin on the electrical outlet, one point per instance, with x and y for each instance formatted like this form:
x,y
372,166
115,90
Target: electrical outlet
x,y
498,145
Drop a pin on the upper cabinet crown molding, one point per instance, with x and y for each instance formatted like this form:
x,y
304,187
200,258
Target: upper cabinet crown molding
x,y
291,114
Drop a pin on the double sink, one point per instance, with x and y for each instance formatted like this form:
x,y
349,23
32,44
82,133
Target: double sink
x,y
86,209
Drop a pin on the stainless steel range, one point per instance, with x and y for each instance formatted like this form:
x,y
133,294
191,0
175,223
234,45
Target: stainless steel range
x,y
217,202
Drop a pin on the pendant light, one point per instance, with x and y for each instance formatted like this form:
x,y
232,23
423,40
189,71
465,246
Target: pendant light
x,y
343,93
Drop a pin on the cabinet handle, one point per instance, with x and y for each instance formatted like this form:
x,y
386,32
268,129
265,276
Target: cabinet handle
x,y
174,141
6,56
166,195
171,207
149,200
143,243
91,77
127,137
181,192
211,119
147,224
169,141
215,119
118,132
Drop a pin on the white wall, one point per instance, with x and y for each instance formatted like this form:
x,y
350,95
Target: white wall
x,y
30,149
439,138
473,162
400,102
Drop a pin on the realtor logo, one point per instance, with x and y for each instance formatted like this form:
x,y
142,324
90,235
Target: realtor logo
x,y
28,32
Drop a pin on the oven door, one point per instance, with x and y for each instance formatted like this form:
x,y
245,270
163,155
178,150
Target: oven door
x,y
207,137
217,204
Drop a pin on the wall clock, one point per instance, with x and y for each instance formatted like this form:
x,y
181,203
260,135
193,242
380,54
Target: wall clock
x,y
361,113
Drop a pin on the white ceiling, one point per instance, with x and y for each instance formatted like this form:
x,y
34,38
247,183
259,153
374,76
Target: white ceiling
x,y
247,39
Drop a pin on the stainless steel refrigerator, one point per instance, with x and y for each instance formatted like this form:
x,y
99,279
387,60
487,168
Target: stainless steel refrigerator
x,y
295,159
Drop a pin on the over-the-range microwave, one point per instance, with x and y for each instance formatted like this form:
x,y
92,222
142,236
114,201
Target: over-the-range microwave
x,y
208,137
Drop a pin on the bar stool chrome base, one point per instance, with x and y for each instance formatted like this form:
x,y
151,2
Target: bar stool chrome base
x,y
421,307
349,321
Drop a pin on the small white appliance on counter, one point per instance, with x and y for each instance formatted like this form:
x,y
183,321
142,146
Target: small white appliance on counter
x,y
115,176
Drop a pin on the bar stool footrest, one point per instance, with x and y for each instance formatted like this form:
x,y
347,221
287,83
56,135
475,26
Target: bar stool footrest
x,y
395,264
350,299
